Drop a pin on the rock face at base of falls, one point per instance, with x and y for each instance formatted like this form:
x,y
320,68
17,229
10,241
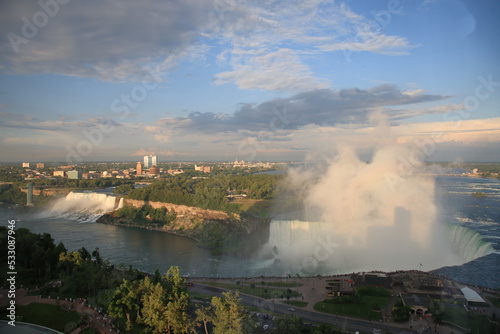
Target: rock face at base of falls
x,y
180,209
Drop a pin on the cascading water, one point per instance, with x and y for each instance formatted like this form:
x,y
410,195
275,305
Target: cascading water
x,y
296,245
468,243
83,206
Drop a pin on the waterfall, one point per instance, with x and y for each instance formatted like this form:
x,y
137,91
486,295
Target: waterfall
x,y
286,234
83,206
300,243
468,243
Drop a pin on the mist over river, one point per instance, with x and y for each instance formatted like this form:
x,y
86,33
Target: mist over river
x,y
473,229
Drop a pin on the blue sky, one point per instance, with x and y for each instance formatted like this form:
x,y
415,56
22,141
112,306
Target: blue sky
x,y
255,80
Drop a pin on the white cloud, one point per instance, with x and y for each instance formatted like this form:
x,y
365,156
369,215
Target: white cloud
x,y
268,43
279,70
263,42
112,40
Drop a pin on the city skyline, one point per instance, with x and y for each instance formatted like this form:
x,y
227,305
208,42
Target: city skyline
x,y
214,80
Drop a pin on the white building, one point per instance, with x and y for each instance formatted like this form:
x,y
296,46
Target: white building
x,y
149,160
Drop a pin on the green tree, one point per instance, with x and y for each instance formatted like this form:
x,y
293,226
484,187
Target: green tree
x,y
153,313
228,314
288,324
156,277
125,300
165,304
204,314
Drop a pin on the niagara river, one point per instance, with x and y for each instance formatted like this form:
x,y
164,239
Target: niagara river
x,y
472,227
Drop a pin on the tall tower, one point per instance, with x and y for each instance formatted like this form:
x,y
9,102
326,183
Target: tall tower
x,y
138,168
149,160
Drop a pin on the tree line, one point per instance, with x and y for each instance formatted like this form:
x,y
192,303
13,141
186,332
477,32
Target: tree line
x,y
146,215
209,193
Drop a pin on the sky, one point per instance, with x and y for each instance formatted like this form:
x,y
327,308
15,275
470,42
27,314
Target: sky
x,y
263,80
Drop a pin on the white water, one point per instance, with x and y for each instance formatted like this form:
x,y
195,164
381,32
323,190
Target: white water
x,y
303,246
82,206
469,243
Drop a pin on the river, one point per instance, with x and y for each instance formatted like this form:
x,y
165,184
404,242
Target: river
x,y
148,250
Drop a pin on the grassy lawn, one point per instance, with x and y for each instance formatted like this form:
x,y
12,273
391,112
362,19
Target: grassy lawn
x,y
52,292
362,310
477,323
494,300
51,316
256,207
258,291
296,303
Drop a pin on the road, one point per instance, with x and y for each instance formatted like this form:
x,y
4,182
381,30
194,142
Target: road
x,y
308,316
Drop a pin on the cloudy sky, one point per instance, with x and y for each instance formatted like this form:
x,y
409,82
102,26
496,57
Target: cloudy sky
x,y
255,80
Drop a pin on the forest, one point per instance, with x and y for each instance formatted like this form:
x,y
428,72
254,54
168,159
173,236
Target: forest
x,y
209,193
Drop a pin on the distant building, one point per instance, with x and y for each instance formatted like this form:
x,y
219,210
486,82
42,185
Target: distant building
x,y
40,165
472,297
138,168
26,165
153,170
239,163
204,169
59,173
74,174
149,160
175,171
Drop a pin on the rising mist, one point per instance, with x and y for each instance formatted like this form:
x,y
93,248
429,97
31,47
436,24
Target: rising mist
x,y
358,215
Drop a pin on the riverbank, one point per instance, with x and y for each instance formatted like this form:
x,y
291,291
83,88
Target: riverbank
x,y
215,231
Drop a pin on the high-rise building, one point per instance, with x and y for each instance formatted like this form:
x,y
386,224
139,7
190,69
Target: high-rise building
x,y
138,168
149,160
40,165
74,174
26,165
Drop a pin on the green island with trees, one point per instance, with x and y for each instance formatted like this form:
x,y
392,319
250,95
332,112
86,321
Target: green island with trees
x,y
235,234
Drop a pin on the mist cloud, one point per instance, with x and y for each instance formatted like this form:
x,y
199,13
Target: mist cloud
x,y
371,214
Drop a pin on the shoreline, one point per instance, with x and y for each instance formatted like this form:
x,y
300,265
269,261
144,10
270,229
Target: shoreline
x,y
242,244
